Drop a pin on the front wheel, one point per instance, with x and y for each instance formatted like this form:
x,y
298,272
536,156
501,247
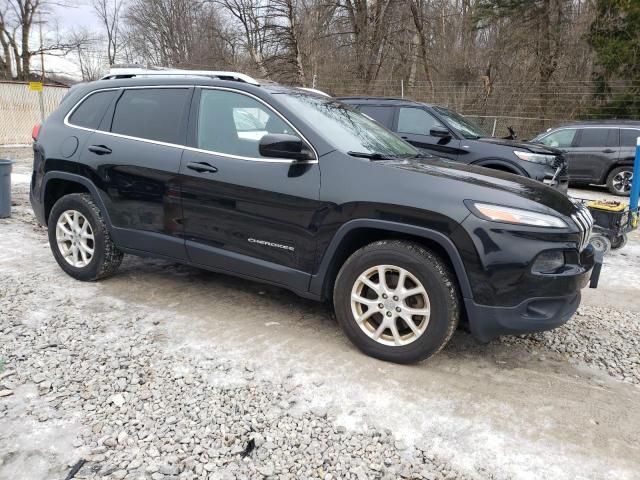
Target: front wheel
x,y
600,244
397,301
80,240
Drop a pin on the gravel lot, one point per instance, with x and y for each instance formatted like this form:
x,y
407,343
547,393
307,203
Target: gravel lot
x,y
165,371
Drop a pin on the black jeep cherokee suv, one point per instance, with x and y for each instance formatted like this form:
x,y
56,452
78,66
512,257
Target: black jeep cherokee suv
x,y
299,190
444,133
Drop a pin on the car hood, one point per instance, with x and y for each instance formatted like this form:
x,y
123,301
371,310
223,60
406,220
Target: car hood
x,y
515,144
492,186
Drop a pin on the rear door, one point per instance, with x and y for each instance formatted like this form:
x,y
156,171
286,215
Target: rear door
x,y
415,123
594,151
244,213
135,158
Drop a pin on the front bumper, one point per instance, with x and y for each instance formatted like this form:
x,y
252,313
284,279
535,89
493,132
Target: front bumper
x,y
534,314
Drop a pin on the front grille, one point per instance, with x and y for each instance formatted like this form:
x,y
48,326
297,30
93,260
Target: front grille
x,y
584,221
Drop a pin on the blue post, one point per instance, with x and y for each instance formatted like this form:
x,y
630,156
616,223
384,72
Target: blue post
x,y
635,185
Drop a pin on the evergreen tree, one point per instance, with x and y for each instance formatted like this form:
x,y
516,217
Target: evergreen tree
x,y
615,39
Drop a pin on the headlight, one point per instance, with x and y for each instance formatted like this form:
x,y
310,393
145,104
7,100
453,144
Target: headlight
x,y
499,213
534,157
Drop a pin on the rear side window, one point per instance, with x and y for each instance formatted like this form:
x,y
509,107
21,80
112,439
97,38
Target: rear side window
x,y
598,137
416,121
151,113
90,112
629,137
383,115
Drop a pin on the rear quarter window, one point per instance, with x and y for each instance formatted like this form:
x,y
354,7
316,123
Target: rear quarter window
x,y
629,137
151,113
90,112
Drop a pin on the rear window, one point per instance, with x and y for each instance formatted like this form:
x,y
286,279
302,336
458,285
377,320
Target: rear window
x,y
629,137
151,113
90,112
383,115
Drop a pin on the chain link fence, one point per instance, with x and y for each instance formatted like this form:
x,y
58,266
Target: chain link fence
x,y
495,107
525,106
20,110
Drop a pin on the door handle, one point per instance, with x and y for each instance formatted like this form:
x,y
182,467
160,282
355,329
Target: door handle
x,y
608,150
100,149
201,167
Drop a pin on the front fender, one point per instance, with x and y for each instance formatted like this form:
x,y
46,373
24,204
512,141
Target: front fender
x,y
501,163
318,280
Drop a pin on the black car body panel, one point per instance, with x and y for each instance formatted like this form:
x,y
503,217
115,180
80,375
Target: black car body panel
x,y
292,223
485,151
593,148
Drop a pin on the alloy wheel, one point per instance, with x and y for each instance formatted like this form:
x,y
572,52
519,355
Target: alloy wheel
x,y
75,239
622,181
390,305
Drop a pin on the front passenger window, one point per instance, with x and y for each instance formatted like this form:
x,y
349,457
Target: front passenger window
x,y
233,124
560,139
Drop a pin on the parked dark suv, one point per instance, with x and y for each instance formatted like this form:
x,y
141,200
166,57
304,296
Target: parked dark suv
x,y
284,186
444,133
597,152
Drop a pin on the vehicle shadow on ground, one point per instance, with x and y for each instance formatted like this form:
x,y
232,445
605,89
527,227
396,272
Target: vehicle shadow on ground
x,y
166,283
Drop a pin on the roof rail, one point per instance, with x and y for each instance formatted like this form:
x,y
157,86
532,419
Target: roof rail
x,y
164,72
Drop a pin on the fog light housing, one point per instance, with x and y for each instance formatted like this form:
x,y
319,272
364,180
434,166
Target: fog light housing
x,y
548,262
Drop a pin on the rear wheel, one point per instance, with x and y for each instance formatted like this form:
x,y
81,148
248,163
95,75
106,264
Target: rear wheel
x,y
79,239
619,242
619,181
397,301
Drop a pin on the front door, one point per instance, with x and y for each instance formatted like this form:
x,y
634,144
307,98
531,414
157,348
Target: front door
x,y
414,125
244,213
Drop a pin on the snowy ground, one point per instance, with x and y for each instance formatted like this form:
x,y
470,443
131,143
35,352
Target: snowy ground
x,y
165,371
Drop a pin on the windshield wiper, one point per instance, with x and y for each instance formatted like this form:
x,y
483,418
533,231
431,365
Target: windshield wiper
x,y
371,156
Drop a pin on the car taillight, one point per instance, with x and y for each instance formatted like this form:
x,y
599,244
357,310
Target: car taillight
x,y
35,131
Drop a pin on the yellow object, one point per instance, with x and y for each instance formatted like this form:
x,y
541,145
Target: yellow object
x,y
35,86
608,206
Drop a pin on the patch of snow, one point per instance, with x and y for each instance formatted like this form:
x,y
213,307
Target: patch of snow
x,y
20,178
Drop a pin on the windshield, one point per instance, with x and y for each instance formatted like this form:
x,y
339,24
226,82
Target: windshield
x,y
463,125
347,129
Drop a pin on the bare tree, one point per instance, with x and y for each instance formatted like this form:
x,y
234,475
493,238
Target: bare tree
x,y
248,13
369,22
419,15
6,41
108,12
89,54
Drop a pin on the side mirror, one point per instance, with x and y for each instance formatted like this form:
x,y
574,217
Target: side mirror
x,y
283,145
440,132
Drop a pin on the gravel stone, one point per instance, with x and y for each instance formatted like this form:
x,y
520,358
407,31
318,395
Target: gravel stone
x,y
148,408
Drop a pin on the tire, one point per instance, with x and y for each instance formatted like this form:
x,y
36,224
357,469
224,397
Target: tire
x,y
91,235
619,242
619,181
422,269
600,243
